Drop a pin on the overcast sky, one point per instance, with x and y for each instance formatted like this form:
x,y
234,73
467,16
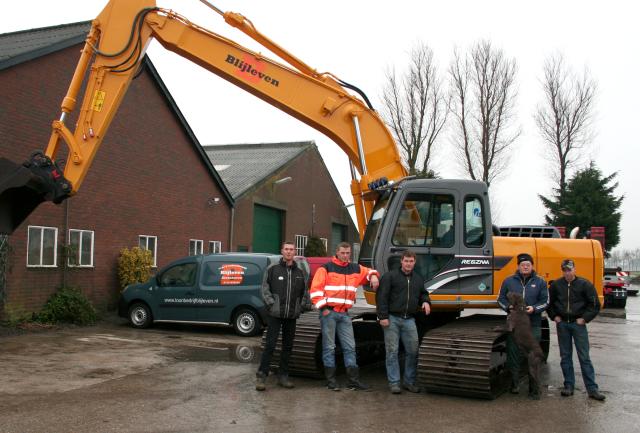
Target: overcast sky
x,y
358,41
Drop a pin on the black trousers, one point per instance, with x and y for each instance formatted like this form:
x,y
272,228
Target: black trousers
x,y
288,327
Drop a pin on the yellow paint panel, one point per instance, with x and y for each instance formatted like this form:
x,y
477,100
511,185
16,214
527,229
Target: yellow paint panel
x,y
98,100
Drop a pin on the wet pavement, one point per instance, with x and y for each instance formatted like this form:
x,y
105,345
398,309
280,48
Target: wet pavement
x,y
112,378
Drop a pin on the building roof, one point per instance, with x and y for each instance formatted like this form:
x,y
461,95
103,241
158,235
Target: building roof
x,y
25,45
19,47
245,166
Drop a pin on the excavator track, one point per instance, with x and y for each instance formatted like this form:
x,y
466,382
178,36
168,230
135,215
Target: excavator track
x,y
465,357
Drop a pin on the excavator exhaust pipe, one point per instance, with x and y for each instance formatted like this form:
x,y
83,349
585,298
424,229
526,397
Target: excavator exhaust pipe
x,y
24,186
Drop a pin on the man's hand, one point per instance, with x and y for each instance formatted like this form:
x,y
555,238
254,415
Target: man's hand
x,y
581,321
326,312
374,282
426,307
557,319
529,309
384,323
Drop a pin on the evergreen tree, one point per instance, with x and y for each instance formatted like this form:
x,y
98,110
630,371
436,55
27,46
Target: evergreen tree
x,y
588,201
315,247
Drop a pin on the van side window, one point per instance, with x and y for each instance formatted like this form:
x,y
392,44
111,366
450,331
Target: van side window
x,y
474,227
182,275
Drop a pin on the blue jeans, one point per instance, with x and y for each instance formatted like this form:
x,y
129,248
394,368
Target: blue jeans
x,y
340,323
405,330
578,333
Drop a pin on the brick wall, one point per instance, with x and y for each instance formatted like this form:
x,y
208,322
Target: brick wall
x,y
147,179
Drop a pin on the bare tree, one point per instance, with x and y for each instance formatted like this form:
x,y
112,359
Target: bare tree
x,y
416,109
564,117
484,95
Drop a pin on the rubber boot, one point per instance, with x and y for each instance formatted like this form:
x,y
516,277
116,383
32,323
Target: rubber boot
x,y
330,374
354,384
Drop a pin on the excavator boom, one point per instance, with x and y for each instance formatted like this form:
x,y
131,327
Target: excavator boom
x,y
112,54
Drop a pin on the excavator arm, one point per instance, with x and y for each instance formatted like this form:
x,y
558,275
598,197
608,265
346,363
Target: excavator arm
x,y
112,55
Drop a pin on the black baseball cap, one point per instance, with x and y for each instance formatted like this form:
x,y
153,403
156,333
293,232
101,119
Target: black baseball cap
x,y
567,264
524,257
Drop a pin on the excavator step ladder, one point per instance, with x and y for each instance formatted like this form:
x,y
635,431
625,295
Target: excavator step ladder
x,y
24,186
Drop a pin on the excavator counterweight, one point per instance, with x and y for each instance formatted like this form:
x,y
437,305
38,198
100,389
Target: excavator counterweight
x,y
24,186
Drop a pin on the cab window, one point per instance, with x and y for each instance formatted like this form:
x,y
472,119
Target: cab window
x,y
182,275
229,274
426,220
474,227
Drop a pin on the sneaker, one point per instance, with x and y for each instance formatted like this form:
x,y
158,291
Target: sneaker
x,y
395,389
566,392
411,387
284,382
261,383
596,395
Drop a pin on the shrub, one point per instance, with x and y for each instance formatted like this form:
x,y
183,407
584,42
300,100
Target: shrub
x,y
68,305
134,266
315,248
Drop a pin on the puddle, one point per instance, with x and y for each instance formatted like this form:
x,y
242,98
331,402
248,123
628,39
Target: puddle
x,y
218,353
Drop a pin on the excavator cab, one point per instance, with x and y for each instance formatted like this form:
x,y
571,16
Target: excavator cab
x,y
24,186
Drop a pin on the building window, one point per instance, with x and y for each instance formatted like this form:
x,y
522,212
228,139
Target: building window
x,y
215,247
301,243
195,247
81,244
325,243
355,252
149,243
42,244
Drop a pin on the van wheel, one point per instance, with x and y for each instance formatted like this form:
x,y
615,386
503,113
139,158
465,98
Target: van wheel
x,y
246,322
140,315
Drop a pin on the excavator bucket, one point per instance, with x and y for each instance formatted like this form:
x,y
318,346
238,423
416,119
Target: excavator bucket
x,y
24,186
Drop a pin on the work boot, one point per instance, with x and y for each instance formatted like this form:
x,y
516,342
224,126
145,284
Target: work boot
x,y
566,391
283,381
596,395
330,374
354,384
261,380
395,389
411,387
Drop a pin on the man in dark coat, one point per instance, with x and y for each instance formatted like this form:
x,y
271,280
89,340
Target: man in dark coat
x,y
574,303
401,294
286,296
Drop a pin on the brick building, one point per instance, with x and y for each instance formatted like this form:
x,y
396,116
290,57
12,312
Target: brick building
x,y
151,183
282,191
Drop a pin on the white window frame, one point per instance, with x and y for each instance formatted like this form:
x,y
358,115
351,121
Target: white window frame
x,y
154,252
301,243
215,247
195,247
78,253
55,246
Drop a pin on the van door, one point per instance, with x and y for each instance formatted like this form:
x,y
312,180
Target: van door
x,y
227,283
175,293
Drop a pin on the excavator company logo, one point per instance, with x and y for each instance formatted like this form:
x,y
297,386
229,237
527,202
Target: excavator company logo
x,y
251,69
474,262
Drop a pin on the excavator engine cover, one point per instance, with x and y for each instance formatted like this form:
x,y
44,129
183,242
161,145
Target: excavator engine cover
x,y
24,186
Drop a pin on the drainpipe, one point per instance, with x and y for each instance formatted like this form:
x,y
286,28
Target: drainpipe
x,y
233,209
65,243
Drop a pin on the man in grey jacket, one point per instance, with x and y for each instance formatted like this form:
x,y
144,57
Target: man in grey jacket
x,y
286,296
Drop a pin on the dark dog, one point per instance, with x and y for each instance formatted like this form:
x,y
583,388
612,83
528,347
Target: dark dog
x,y
519,325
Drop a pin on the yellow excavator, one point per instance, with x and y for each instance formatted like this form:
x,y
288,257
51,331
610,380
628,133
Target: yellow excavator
x,y
446,222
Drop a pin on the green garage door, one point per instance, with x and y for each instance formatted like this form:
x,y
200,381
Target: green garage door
x,y
267,229
338,234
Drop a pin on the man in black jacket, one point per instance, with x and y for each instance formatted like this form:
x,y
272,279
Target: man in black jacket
x,y
286,296
573,302
400,295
